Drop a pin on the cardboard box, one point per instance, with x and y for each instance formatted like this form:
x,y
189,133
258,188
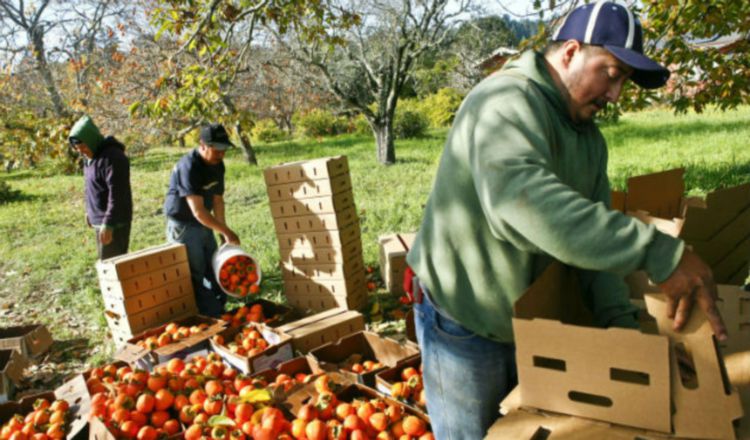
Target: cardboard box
x,y
411,331
136,303
316,222
145,282
145,260
352,300
322,255
279,350
180,307
12,364
323,271
310,188
146,359
73,391
330,325
619,376
370,346
319,240
385,379
29,340
313,206
393,250
306,170
275,314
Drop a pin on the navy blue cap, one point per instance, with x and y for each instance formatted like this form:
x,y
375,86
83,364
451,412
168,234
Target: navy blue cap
x,y
215,135
614,27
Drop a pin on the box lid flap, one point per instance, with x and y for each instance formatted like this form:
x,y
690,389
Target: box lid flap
x,y
554,295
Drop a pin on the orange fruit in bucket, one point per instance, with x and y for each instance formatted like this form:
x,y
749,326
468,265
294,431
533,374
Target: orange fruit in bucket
x,y
239,276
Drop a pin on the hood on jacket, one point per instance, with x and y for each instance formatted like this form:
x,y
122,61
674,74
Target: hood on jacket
x,y
86,131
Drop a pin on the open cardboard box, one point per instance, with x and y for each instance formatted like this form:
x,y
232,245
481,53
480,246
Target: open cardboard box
x,y
291,368
620,376
386,378
144,358
275,314
368,345
12,364
330,325
73,391
278,351
29,340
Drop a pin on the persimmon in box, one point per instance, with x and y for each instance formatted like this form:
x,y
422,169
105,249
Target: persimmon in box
x,y
176,339
288,376
404,383
260,310
253,348
324,410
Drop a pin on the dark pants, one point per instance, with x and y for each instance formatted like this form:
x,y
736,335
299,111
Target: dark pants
x,y
201,245
118,245
465,375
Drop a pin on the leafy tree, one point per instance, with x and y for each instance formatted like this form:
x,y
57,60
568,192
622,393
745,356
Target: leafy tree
x,y
370,72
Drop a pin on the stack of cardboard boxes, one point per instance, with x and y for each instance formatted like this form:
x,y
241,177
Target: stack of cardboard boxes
x,y
393,250
318,232
145,289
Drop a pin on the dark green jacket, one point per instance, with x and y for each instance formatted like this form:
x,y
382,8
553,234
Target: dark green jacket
x,y
518,186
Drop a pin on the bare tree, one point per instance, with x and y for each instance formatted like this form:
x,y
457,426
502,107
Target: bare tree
x,y
379,57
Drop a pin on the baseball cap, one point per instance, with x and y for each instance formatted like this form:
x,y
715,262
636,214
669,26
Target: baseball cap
x,y
215,136
614,27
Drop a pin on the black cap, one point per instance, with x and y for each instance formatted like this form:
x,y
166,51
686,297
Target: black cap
x,y
215,136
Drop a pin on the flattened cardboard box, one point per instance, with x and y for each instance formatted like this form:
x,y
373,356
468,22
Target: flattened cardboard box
x,y
177,308
133,304
353,300
145,260
279,350
316,223
319,240
313,206
310,189
370,346
144,282
617,375
322,255
29,340
134,354
305,170
73,391
323,272
393,250
12,364
330,325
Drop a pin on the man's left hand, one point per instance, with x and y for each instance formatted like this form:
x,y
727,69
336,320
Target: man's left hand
x,y
105,235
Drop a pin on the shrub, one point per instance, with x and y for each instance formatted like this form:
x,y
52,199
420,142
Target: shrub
x,y
318,122
266,130
410,123
361,126
441,107
7,193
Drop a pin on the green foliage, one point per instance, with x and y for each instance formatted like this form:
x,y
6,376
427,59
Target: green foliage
x,y
27,139
410,123
441,107
430,80
318,122
360,125
266,130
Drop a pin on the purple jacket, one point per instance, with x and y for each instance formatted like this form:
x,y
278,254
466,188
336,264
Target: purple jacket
x,y
109,200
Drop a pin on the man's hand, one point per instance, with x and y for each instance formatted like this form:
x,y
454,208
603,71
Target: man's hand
x,y
691,281
105,235
231,237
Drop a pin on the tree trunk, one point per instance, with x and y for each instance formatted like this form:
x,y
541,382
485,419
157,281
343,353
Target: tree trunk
x,y
247,147
37,38
384,142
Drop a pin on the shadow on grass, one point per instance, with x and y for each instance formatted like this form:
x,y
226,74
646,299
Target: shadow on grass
x,y
701,177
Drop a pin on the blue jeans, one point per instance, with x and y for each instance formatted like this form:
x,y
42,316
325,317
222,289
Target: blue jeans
x,y
201,245
466,376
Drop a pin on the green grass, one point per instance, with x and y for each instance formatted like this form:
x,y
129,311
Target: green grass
x,y
48,254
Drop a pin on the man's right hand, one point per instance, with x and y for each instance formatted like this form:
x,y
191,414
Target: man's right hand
x,y
691,281
230,237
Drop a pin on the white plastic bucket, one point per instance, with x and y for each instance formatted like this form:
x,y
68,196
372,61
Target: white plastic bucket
x,y
224,253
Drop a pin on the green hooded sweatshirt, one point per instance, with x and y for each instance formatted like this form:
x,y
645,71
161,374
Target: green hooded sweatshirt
x,y
86,131
520,185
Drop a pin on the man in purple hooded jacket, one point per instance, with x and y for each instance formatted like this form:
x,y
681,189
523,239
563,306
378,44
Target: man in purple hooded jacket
x,y
109,201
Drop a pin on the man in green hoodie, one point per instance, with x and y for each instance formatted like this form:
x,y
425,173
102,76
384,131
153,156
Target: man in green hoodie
x,y
522,183
109,201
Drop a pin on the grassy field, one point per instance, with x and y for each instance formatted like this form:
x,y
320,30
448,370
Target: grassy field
x,y
47,253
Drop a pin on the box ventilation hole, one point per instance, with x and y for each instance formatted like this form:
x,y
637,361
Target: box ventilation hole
x,y
686,366
591,399
541,433
629,376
